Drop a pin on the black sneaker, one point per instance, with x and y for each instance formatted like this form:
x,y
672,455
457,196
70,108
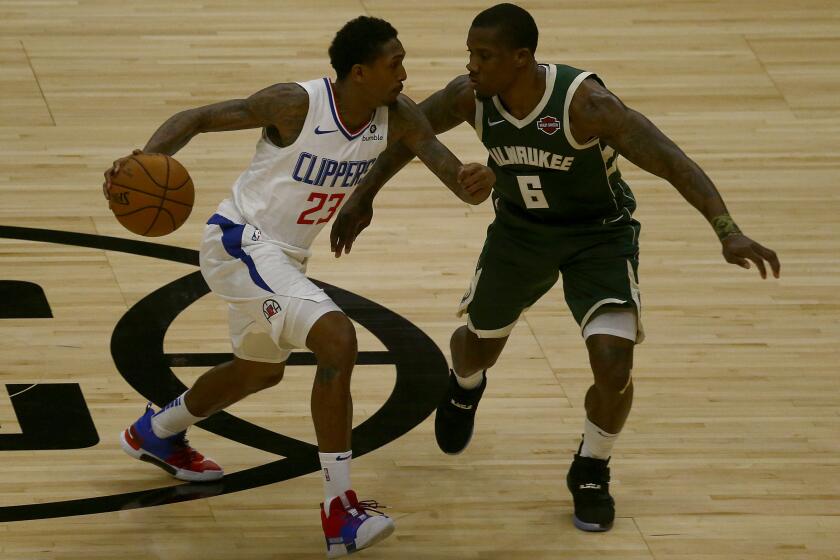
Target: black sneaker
x,y
455,416
589,482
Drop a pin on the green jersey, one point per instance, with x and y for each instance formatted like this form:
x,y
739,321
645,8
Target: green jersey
x,y
542,172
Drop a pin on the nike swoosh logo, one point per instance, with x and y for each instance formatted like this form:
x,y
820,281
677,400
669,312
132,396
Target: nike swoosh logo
x,y
494,123
339,458
319,131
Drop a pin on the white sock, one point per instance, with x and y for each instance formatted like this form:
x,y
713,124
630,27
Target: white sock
x,y
336,470
174,418
470,382
597,443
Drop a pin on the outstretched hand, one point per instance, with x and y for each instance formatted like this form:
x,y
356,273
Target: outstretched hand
x,y
477,180
740,249
349,223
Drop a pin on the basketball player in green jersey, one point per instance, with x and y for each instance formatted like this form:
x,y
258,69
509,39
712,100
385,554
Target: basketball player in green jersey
x,y
554,134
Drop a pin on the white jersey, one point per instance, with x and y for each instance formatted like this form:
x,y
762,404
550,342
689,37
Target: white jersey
x,y
290,193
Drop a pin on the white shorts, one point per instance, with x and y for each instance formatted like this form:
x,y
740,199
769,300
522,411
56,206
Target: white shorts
x,y
272,305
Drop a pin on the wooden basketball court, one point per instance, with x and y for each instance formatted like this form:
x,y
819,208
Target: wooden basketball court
x,y
731,450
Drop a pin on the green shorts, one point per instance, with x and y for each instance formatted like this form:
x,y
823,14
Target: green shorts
x,y
521,260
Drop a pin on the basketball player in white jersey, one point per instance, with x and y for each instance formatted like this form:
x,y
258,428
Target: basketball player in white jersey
x,y
318,140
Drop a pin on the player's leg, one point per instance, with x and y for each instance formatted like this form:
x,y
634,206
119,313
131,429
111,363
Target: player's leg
x,y
333,341
160,437
471,354
610,397
455,415
348,524
229,383
233,262
602,291
510,277
298,314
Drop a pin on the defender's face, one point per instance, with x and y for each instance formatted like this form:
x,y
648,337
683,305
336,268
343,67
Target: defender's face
x,y
492,66
384,77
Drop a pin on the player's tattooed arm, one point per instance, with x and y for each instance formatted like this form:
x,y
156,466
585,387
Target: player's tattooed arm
x,y
597,112
280,108
471,182
445,109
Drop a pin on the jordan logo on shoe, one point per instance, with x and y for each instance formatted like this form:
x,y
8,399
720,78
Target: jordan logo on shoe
x,y
461,406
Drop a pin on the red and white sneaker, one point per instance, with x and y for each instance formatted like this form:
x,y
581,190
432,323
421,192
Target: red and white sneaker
x,y
350,527
172,454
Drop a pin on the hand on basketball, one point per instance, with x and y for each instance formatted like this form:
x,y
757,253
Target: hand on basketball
x,y
477,180
111,172
349,223
740,249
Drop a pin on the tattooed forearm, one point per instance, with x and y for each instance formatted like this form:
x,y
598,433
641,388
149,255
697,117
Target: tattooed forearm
x,y
725,226
409,134
282,106
387,165
442,163
412,128
173,134
641,142
597,112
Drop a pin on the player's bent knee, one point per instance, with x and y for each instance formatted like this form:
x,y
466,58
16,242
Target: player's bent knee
x,y
483,352
269,377
612,362
259,375
333,339
615,381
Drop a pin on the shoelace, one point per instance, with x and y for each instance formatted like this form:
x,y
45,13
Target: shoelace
x,y
371,505
185,452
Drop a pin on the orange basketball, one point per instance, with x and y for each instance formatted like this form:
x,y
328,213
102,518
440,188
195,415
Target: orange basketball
x,y
151,194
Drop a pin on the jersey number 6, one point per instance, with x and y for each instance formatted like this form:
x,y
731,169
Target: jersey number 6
x,y
532,191
321,198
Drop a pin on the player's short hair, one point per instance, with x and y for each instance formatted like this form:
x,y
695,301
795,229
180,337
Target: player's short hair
x,y
517,28
359,42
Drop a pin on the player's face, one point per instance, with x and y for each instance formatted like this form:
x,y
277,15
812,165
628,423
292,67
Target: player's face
x,y
384,77
492,66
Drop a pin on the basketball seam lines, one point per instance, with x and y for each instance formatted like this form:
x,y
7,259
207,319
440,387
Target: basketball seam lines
x,y
150,194
164,187
149,175
133,211
166,180
171,217
162,200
